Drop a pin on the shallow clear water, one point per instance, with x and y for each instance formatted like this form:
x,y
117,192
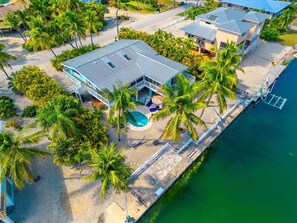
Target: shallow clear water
x,y
141,119
249,175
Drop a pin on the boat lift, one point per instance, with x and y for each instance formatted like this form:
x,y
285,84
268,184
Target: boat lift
x,y
272,99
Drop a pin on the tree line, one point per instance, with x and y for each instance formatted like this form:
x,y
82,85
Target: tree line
x,y
51,23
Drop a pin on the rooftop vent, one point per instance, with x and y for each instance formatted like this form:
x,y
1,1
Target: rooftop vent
x,y
127,57
212,17
111,65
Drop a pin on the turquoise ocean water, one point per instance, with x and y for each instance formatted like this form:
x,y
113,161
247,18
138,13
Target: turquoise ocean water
x,y
249,175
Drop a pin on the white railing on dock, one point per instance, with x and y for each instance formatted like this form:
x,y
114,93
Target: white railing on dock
x,y
207,133
148,163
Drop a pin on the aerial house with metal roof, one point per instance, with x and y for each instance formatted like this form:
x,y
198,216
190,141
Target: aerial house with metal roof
x,y
221,25
270,7
126,61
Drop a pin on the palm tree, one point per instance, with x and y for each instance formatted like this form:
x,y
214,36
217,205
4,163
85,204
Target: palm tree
x,y
219,76
180,102
60,115
91,20
75,25
109,167
121,97
15,22
4,57
40,37
16,154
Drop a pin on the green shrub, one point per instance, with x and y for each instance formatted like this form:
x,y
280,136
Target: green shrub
x,y
14,123
193,12
270,33
7,109
69,54
36,84
30,111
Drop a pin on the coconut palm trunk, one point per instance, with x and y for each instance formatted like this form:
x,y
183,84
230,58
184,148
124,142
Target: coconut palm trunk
x,y
2,68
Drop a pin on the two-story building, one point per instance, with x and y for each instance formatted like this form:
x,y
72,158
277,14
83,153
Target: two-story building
x,y
223,25
271,7
6,199
126,61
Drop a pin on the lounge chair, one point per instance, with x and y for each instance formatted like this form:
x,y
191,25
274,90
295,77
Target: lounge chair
x,y
150,102
135,144
155,108
143,100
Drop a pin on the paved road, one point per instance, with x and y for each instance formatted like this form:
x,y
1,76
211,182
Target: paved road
x,y
38,58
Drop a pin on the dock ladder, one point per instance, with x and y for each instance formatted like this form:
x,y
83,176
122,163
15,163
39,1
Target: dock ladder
x,y
272,99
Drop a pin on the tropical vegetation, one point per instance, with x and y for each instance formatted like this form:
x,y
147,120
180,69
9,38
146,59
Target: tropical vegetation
x,y
180,102
35,84
30,111
7,109
219,76
52,23
119,113
109,167
209,5
16,154
69,54
274,27
4,59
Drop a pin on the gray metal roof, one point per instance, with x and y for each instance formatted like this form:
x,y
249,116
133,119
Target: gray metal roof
x,y
204,31
222,15
235,27
159,68
143,61
256,17
267,5
223,18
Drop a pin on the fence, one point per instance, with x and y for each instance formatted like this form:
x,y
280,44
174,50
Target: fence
x,y
149,162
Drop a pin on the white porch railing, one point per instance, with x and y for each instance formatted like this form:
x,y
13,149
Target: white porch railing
x,y
145,83
69,76
98,96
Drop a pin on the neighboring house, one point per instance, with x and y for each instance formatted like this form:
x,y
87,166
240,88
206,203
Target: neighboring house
x,y
271,7
127,61
6,199
223,25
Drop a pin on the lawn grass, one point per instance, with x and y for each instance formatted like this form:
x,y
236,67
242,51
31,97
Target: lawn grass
x,y
133,6
147,8
289,38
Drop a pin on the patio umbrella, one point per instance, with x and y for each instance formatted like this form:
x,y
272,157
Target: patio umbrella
x,y
157,99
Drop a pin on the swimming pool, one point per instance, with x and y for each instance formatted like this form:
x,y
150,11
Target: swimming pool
x,y
2,2
141,119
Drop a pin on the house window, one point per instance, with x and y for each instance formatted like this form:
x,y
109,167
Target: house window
x,y
212,42
190,35
139,80
111,65
8,188
127,57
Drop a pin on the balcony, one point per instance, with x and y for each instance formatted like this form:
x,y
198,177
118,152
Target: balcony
x,y
69,76
147,84
81,89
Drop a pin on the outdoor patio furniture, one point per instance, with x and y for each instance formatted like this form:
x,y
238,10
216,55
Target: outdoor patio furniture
x,y
137,143
150,102
155,108
143,100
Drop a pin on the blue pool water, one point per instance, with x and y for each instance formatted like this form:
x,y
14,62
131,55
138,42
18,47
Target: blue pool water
x,y
141,119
